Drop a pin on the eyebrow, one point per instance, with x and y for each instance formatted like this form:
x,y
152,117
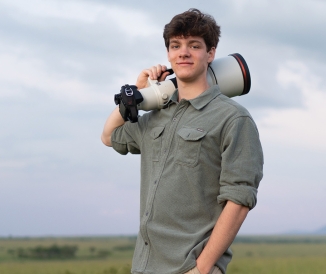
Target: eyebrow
x,y
174,41
191,41
196,41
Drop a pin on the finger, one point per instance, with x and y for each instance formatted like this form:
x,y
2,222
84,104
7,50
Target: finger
x,y
154,72
163,76
143,78
160,70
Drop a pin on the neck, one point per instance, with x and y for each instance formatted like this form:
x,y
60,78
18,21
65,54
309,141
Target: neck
x,y
190,90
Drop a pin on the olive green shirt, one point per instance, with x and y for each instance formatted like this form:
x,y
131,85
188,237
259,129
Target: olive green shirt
x,y
195,155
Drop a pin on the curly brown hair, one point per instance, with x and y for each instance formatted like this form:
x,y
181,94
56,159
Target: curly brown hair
x,y
193,23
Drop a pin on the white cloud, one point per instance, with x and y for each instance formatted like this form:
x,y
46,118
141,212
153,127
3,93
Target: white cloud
x,y
19,74
130,21
302,127
64,67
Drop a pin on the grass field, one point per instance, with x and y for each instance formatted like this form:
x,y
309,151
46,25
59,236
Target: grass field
x,y
299,255
284,255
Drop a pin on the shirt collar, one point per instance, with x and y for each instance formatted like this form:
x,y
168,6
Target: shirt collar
x,y
202,100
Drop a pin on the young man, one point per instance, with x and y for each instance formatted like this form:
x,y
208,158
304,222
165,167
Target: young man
x,y
201,159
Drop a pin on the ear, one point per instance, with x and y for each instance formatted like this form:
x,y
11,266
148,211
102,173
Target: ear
x,y
211,55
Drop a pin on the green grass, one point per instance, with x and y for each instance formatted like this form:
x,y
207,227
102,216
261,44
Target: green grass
x,y
252,255
66,267
300,257
118,262
278,265
120,247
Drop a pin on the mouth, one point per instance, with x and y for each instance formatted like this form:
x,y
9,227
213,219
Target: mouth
x,y
184,63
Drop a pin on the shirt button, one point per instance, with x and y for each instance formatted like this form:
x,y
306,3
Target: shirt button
x,y
146,213
146,243
174,119
155,182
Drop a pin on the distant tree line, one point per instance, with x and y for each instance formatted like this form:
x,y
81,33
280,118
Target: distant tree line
x,y
51,252
57,252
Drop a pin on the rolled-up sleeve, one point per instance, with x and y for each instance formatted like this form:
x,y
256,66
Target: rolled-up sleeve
x,y
242,163
128,137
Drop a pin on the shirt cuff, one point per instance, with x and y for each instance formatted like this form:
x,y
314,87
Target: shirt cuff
x,y
239,194
123,147
120,148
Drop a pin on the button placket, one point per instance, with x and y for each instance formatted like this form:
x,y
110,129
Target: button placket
x,y
166,144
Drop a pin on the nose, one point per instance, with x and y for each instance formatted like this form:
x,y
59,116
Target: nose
x,y
184,52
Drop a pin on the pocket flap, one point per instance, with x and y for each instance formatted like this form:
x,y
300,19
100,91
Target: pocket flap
x,y
191,134
157,132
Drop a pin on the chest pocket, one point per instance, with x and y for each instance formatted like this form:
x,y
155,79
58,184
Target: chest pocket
x,y
156,136
189,144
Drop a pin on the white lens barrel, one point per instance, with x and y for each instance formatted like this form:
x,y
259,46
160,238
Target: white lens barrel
x,y
156,95
226,73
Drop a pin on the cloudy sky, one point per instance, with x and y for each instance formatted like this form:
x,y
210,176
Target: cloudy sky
x,y
61,62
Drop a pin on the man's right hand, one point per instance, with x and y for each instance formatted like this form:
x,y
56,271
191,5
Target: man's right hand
x,y
158,73
115,120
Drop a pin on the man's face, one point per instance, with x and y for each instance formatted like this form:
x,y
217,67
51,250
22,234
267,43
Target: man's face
x,y
189,57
